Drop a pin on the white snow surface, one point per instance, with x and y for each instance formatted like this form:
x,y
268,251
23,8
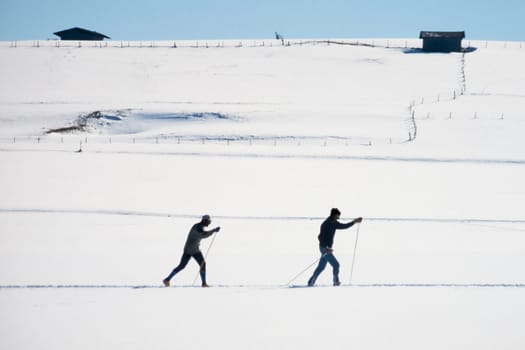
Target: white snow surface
x,y
428,148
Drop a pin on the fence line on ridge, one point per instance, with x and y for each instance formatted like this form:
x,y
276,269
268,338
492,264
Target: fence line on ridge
x,y
278,141
204,44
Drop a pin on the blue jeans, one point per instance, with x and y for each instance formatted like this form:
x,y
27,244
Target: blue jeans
x,y
326,257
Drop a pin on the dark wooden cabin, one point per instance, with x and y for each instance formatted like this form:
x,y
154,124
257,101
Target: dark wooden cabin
x,y
442,41
80,34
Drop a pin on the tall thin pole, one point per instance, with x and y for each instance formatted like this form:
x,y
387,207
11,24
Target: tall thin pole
x,y
355,249
209,247
306,269
205,257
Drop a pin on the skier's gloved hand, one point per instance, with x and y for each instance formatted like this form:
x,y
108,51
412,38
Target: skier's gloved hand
x,y
217,229
358,220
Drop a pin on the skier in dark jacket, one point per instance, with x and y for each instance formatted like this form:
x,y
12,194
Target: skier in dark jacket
x,y
191,249
326,241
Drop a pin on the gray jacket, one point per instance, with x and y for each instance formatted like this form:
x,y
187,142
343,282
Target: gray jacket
x,y
193,241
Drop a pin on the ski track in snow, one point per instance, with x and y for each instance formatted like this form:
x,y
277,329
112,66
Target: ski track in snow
x,y
294,156
267,287
248,217
339,157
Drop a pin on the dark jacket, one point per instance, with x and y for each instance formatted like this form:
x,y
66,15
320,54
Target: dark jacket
x,y
197,233
328,227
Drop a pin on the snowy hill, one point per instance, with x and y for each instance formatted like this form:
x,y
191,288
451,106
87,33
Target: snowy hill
x,y
353,93
265,138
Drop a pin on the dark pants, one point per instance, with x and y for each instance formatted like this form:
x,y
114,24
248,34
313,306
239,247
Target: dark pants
x,y
184,261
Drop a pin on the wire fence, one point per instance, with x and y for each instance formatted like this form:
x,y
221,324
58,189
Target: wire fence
x,y
200,44
84,140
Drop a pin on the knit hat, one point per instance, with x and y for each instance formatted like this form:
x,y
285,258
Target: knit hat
x,y
334,212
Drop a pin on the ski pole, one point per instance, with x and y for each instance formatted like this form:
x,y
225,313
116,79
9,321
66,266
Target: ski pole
x,y
306,269
205,256
355,249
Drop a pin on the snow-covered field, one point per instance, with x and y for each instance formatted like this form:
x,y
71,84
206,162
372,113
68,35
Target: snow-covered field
x,y
428,148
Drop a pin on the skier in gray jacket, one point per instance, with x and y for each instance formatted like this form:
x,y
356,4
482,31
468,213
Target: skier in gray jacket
x,y
192,250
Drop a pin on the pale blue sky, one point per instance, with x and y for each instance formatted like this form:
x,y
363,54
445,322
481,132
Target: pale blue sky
x,y
258,19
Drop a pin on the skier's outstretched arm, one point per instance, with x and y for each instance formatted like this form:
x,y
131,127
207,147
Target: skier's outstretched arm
x,y
206,234
349,224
